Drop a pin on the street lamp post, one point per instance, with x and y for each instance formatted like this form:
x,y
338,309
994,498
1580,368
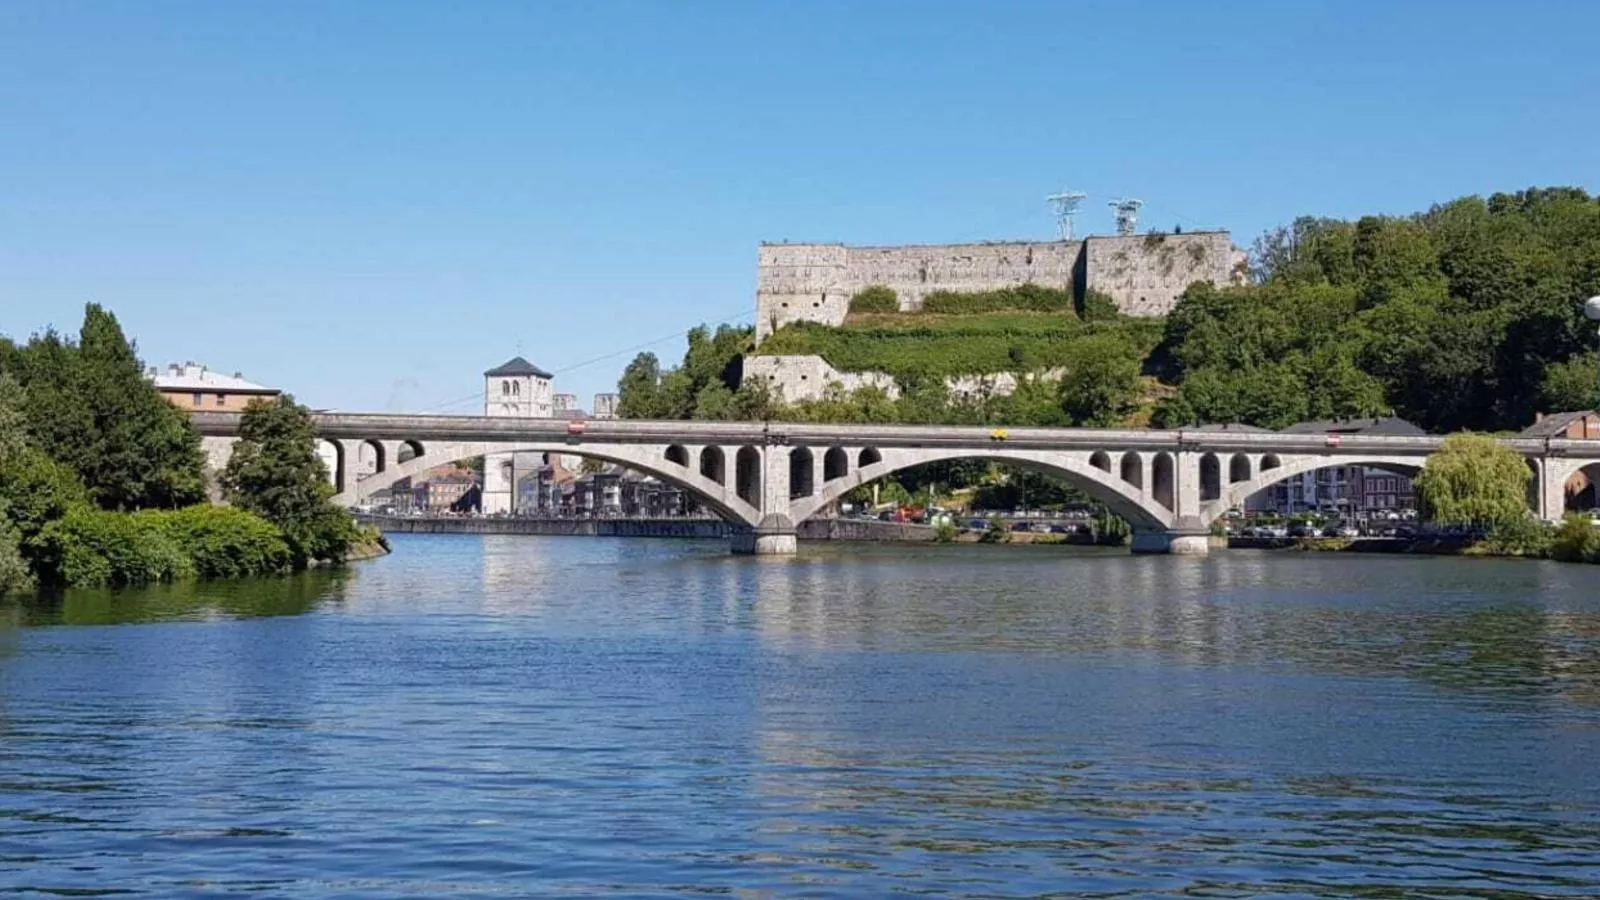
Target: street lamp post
x,y
1591,309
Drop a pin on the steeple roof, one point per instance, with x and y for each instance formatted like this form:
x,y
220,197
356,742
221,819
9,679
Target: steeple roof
x,y
516,366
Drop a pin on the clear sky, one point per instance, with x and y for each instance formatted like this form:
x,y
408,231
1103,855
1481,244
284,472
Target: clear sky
x,y
369,203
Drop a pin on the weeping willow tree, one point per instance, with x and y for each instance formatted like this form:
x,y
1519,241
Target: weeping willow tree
x,y
1476,481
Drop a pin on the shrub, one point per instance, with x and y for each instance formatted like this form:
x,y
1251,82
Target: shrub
x,y
35,491
223,541
1519,536
1098,307
1576,540
945,531
996,533
94,548
1022,298
875,298
914,347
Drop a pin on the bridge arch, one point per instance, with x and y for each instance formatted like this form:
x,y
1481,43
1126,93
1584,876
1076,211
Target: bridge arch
x,y
714,466
709,493
1581,490
1123,499
1275,469
835,464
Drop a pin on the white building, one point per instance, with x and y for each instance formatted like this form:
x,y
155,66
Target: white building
x,y
516,389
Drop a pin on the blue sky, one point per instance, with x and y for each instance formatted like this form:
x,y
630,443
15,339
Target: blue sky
x,y
369,203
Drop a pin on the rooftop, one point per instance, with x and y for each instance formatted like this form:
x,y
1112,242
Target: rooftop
x,y
1555,424
1383,425
516,366
194,377
1233,428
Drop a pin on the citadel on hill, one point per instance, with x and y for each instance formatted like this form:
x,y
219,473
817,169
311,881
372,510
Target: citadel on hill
x,y
1142,274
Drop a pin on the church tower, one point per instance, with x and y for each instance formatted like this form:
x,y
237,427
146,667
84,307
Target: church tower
x,y
515,389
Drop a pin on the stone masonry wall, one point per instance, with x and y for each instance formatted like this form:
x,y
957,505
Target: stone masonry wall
x,y
1144,274
805,377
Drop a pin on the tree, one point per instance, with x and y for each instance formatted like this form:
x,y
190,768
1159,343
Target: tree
x,y
275,473
14,573
1473,480
89,406
639,388
1101,381
1570,385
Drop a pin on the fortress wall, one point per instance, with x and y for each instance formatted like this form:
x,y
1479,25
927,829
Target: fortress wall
x,y
916,271
801,283
1145,274
807,377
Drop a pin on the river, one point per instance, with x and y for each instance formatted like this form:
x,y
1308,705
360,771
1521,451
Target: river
x,y
504,716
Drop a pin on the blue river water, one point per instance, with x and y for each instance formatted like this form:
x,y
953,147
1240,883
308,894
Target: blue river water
x,y
520,716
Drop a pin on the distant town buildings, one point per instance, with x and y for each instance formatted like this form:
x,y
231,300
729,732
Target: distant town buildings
x,y
196,387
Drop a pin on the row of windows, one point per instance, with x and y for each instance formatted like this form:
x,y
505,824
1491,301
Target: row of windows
x,y
200,399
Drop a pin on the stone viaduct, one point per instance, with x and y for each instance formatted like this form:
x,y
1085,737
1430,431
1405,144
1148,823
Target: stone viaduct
x,y
768,477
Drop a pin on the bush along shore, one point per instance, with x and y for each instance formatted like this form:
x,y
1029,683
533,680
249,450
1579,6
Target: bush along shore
x,y
102,481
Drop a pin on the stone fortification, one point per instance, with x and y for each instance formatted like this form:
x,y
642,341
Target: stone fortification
x,y
805,377
1143,274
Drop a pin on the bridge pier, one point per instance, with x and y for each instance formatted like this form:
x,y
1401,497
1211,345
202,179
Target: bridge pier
x,y
1180,543
775,536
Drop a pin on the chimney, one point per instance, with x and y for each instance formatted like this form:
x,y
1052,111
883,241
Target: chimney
x,y
174,369
1538,417
239,375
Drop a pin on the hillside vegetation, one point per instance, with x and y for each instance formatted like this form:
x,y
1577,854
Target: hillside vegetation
x,y
1465,316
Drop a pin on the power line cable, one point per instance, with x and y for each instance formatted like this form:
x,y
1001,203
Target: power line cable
x,y
478,395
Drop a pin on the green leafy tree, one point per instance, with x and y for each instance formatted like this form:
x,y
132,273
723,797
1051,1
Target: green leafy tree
x,y
639,389
1569,385
275,473
89,406
1101,382
14,573
1473,480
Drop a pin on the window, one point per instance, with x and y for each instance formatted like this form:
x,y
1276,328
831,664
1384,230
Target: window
x,y
516,388
222,399
505,388
199,398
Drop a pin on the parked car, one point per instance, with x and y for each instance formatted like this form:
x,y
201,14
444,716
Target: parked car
x,y
1060,529
978,524
1021,526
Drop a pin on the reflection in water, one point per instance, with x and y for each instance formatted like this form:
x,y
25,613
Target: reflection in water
x,y
283,596
525,716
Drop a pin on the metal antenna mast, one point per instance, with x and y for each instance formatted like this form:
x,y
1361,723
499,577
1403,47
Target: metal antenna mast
x,y
1127,215
1066,204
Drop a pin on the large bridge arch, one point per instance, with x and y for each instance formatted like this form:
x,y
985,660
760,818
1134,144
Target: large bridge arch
x,y
1126,500
639,457
1276,468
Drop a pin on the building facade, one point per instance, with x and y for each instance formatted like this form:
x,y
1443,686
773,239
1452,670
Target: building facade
x,y
193,386
515,389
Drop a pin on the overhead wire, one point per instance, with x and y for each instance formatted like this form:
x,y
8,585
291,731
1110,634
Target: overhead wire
x,y
478,395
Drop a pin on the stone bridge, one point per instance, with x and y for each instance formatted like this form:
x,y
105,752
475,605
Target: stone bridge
x,y
766,478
